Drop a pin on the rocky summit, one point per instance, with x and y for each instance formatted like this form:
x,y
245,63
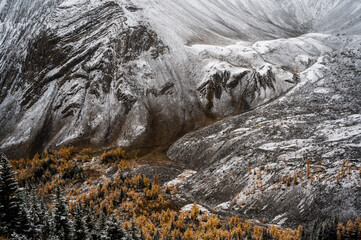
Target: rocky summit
x,y
257,104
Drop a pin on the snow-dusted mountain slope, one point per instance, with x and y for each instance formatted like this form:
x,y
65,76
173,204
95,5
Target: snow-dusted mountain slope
x,y
219,21
255,164
141,73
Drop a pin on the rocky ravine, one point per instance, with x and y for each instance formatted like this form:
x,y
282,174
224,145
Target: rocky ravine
x,y
140,74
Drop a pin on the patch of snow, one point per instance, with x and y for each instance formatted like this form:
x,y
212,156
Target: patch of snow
x,y
188,208
321,90
223,206
282,221
180,178
278,217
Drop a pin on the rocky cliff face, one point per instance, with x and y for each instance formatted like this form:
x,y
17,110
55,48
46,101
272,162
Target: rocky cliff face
x,y
76,78
140,74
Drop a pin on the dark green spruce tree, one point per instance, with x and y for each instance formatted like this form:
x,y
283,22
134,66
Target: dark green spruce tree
x,y
12,216
100,228
90,224
114,230
46,220
79,232
62,228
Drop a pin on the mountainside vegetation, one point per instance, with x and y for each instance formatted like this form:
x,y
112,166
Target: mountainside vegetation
x,y
55,195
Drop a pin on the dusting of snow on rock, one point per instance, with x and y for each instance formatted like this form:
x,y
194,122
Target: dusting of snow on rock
x,y
188,208
181,177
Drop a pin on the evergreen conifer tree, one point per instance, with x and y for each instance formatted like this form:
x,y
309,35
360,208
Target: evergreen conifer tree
x,y
61,216
100,228
114,229
24,215
78,226
47,221
33,214
10,202
89,225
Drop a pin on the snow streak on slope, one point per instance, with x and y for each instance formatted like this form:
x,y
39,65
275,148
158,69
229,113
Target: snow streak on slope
x,y
219,21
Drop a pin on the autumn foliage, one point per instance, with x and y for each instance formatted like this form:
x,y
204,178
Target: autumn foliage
x,y
142,202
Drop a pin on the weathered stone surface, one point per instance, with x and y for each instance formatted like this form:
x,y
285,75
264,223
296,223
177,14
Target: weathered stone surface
x,y
319,119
